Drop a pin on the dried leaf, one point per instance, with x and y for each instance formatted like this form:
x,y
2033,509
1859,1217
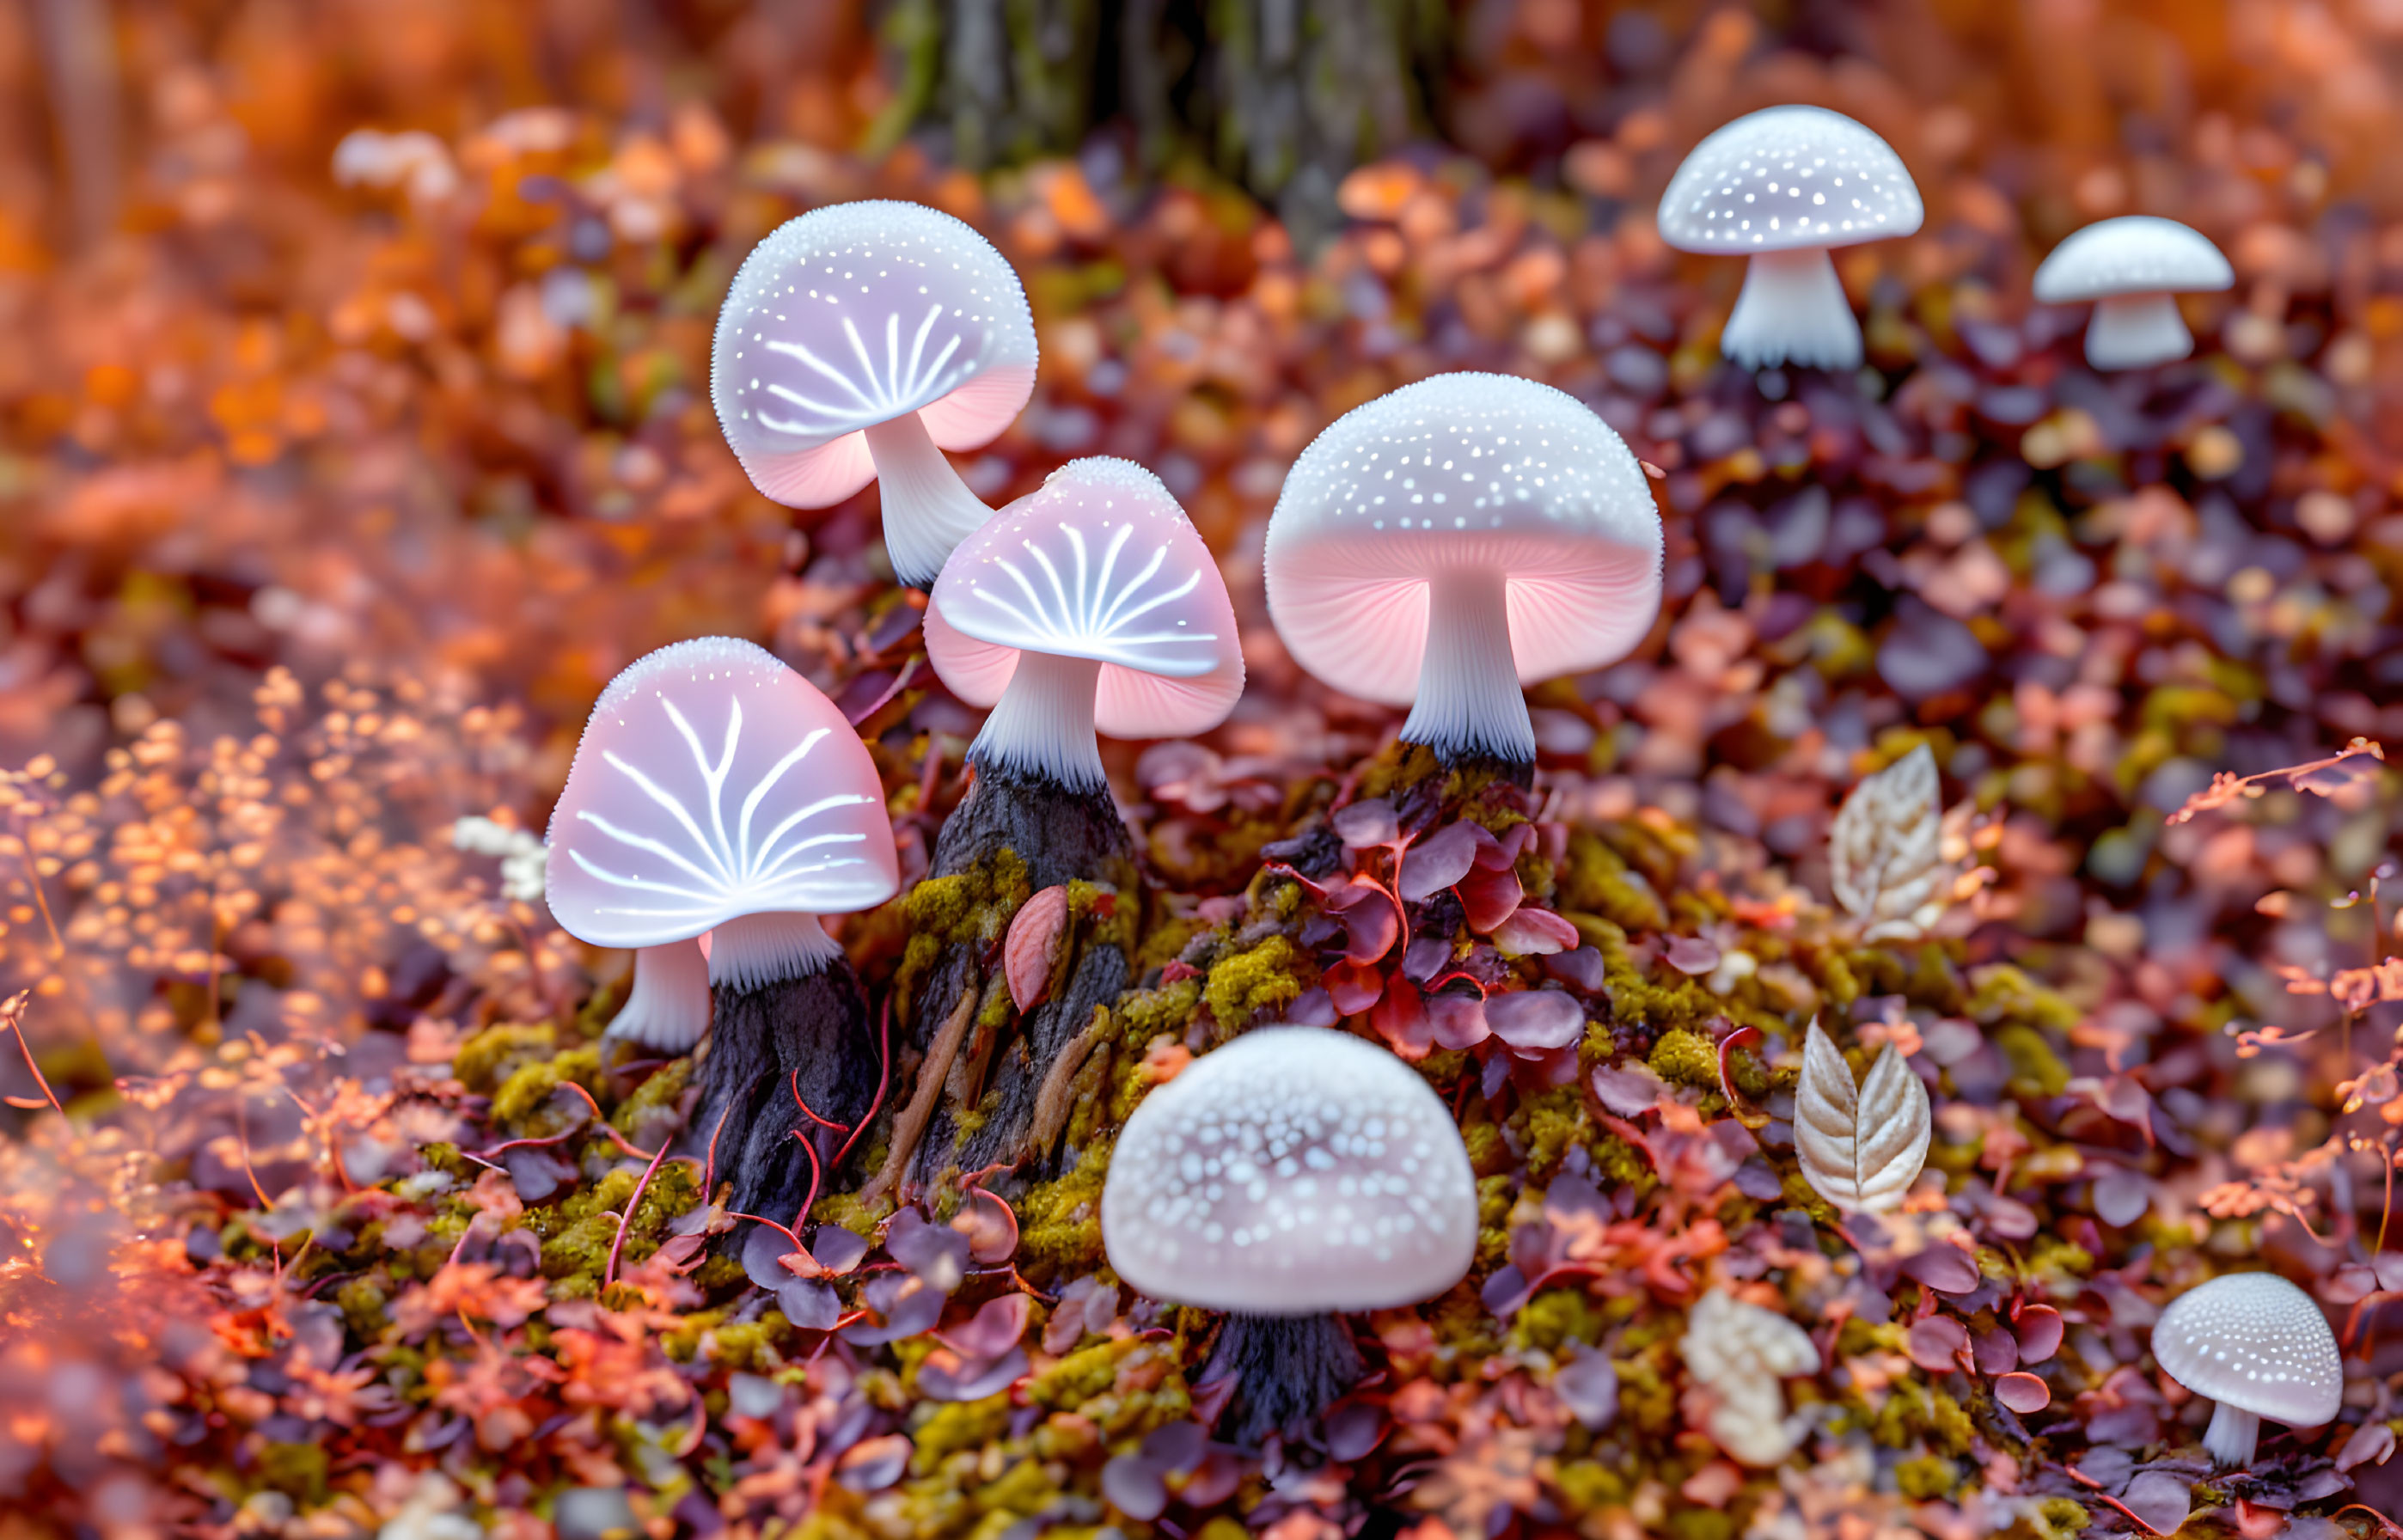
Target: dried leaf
x,y
1885,854
1032,943
1861,1147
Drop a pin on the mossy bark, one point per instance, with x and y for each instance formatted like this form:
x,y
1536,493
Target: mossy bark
x,y
1063,835
1288,1370
810,1034
995,1069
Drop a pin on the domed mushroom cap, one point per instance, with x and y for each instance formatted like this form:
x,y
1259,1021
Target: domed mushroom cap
x,y
1785,177
856,314
1294,1171
712,783
2256,1342
2135,254
1098,562
1461,470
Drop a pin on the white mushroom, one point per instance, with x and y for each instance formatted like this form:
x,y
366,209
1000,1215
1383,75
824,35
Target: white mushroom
x,y
1781,187
858,342
1292,1174
1443,545
2259,1347
2131,268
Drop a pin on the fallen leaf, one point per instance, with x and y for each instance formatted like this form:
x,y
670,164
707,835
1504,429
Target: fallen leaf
x,y
1885,849
1033,942
1861,1147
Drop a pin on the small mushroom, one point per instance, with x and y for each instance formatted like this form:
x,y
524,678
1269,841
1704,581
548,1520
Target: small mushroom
x,y
1294,1174
1092,605
2131,268
668,1007
1449,542
716,790
1782,185
857,343
2259,1347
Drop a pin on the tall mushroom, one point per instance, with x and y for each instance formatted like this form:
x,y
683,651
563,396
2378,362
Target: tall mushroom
x,y
2259,1347
716,790
1446,543
1088,605
858,342
1291,1175
2132,267
1783,186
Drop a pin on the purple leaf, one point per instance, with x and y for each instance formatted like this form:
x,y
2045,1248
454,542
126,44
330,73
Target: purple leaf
x,y
837,1249
935,1253
1439,861
1364,825
946,1376
1534,1019
1134,1488
808,1303
1589,1387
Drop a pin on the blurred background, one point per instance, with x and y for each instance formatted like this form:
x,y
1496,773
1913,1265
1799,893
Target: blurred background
x,y
351,331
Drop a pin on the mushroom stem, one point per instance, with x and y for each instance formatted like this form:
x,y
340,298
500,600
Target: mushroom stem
x,y
1288,1370
781,1057
1792,311
1043,724
2135,331
2232,1434
928,510
668,1007
1469,704
755,951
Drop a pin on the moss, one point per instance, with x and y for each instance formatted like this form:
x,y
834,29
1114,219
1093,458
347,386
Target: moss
x,y
2059,1263
296,1470
1079,1377
1597,879
1553,1317
363,1301
2000,993
2062,1518
1060,1222
1618,1162
1684,1058
1949,1426
1489,1153
1549,1125
1143,1015
847,1210
2036,1072
1588,1484
1700,1524
654,1097
530,1086
1646,1401
1248,982
499,1051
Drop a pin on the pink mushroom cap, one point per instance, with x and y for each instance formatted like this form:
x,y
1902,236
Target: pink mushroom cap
x,y
712,783
856,314
1099,562
1462,471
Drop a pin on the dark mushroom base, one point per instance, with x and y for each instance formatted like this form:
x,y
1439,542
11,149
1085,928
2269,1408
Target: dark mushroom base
x,y
816,1025
1063,834
1288,1370
1473,768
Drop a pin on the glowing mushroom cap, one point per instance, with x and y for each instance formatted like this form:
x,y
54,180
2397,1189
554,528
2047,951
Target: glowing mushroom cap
x,y
2137,254
1294,1171
713,782
2254,1341
1099,562
853,315
1788,177
1459,471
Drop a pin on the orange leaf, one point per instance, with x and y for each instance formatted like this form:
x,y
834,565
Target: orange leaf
x,y
1033,942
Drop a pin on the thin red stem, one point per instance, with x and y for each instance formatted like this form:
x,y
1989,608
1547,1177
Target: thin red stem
x,y
13,1014
610,1271
817,1174
709,1166
805,1111
883,1077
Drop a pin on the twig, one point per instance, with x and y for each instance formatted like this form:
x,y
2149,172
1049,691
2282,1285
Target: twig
x,y
12,1015
817,1174
1051,1104
915,1117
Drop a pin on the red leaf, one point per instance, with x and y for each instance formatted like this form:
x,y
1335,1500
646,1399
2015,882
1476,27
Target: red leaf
x,y
1488,897
2023,1393
1032,943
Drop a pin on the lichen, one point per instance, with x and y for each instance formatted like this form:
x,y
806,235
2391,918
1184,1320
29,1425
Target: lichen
x,y
1245,983
1684,1058
499,1051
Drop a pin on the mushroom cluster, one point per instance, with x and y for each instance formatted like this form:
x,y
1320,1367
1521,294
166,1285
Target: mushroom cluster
x,y
1441,548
